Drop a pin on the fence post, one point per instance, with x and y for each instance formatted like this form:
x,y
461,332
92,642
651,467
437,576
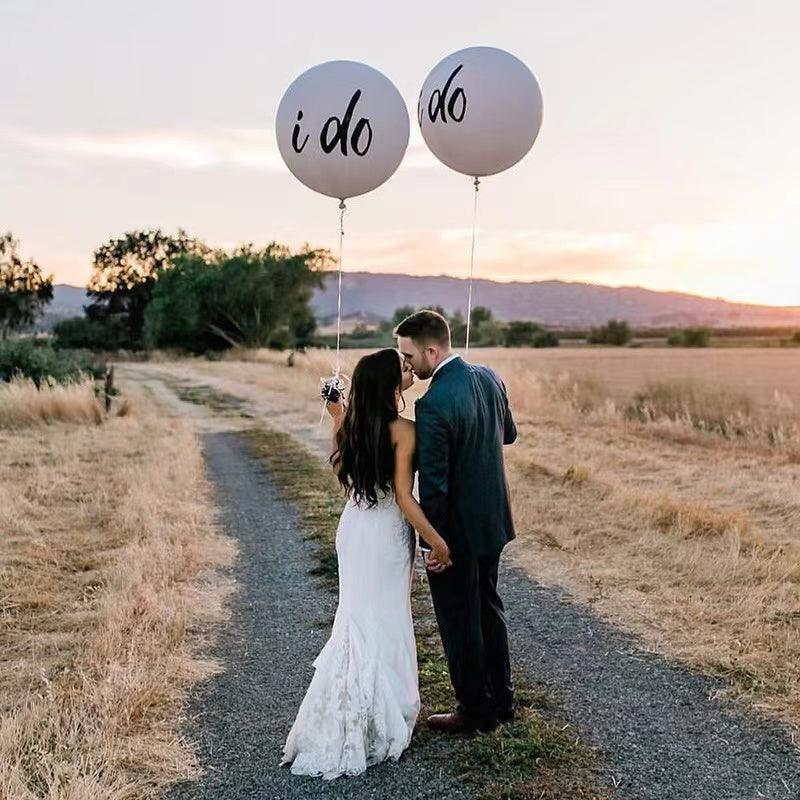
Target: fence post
x,y
109,387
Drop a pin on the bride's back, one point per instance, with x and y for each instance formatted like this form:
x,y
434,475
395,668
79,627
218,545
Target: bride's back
x,y
363,456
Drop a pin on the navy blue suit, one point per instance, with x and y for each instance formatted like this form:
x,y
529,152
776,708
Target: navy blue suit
x,y
463,421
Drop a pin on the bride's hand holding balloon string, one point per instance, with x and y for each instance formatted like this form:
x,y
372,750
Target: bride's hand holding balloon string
x,y
336,410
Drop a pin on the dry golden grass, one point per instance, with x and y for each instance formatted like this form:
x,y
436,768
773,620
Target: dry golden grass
x,y
673,405
673,506
23,405
106,587
662,486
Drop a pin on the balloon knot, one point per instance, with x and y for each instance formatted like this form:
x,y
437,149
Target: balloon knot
x,y
342,205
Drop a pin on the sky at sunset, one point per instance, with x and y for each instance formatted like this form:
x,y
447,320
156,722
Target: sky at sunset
x,y
668,157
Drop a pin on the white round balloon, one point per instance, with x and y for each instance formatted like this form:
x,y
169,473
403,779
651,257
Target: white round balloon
x,y
342,128
480,110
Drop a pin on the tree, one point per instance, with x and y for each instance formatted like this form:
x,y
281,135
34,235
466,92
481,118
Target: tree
x,y
691,337
179,311
249,297
24,291
479,315
546,339
107,334
489,333
458,328
126,270
696,337
485,331
302,325
400,314
616,332
521,333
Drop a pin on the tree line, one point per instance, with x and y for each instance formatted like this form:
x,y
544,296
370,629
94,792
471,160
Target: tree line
x,y
152,289
485,330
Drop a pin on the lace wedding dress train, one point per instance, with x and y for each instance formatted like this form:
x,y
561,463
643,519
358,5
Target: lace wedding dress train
x,y
363,700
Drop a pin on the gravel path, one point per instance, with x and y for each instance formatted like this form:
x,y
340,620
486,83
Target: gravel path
x,y
280,621
662,734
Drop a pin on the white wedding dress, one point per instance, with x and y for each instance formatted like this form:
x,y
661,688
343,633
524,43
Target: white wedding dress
x,y
363,700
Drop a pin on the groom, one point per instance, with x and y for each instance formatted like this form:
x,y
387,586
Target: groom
x,y
463,421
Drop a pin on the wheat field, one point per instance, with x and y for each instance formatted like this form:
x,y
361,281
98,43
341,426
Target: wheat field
x,y
108,586
660,486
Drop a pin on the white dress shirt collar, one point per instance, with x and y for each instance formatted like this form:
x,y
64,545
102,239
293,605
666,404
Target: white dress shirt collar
x,y
446,361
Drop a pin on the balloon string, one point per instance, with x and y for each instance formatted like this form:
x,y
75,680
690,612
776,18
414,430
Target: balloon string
x,y
342,209
476,183
337,367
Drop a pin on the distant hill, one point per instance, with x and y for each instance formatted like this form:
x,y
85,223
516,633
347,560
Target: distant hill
x,y
553,303
370,297
68,301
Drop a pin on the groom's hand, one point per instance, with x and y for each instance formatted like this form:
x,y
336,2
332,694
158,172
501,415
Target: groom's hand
x,y
431,564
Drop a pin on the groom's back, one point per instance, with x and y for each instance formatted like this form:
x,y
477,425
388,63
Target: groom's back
x,y
466,411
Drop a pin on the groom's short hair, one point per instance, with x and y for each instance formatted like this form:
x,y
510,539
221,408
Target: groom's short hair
x,y
425,327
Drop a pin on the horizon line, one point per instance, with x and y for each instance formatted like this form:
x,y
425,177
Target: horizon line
x,y
515,281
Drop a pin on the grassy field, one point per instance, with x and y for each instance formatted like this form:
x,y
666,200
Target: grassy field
x,y
660,486
106,560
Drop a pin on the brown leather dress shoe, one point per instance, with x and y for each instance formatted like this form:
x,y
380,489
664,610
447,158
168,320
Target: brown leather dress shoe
x,y
458,722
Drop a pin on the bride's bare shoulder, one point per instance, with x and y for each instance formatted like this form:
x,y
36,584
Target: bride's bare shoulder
x,y
402,429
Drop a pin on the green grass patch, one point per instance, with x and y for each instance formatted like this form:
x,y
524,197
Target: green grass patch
x,y
202,395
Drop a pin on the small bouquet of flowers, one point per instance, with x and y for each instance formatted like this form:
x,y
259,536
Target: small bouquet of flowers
x,y
332,390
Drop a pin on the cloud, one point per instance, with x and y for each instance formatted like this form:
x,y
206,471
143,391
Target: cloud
x,y
418,156
750,262
250,148
503,255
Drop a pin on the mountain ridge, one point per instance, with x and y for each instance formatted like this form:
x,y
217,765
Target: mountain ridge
x,y
555,303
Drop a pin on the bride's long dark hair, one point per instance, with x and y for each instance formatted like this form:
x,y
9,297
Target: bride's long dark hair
x,y
364,456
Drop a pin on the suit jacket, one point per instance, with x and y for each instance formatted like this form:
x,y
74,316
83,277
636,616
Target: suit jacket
x,y
463,421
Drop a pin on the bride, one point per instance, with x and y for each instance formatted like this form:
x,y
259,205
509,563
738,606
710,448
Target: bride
x,y
363,701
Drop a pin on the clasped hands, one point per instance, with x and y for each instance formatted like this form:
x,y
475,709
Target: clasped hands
x,y
437,559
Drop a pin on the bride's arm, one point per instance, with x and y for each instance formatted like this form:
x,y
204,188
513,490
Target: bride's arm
x,y
403,491
336,410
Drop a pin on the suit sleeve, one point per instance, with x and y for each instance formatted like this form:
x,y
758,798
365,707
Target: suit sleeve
x,y
433,461
509,427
